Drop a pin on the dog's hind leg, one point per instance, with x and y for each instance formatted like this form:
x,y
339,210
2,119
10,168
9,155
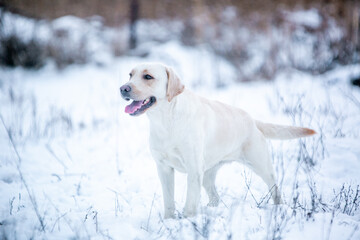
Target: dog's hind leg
x,y
209,185
257,158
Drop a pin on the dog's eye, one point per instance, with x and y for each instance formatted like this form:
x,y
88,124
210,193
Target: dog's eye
x,y
130,74
148,77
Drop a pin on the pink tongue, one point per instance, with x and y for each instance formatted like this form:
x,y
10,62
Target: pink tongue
x,y
135,105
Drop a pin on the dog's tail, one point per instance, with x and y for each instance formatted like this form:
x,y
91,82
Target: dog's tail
x,y
282,132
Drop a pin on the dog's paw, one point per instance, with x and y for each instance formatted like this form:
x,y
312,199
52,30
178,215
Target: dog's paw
x,y
169,214
189,213
213,203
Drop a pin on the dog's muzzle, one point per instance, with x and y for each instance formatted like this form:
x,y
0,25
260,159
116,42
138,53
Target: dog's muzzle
x,y
125,92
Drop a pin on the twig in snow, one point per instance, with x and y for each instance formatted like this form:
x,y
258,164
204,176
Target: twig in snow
x,y
48,147
119,195
64,217
152,204
331,224
351,97
248,188
56,221
356,228
31,197
11,205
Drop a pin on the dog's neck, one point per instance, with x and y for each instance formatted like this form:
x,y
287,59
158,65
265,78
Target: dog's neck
x,y
165,113
163,110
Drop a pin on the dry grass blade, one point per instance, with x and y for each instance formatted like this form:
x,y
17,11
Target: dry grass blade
x,y
17,163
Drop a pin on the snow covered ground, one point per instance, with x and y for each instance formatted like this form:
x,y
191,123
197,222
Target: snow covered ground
x,y
85,170
73,165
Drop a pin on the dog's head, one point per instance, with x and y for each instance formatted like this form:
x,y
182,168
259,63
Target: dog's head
x,y
148,84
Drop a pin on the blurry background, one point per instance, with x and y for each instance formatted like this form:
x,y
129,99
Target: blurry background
x,y
258,37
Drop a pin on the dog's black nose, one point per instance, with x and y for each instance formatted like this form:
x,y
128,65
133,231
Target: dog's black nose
x,y
125,92
125,89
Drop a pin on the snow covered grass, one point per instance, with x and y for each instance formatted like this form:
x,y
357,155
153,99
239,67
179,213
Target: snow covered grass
x,y
74,165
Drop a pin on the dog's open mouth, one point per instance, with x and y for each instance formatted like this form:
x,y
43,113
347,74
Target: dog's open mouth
x,y
139,107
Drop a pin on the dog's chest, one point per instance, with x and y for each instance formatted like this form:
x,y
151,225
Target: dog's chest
x,y
165,145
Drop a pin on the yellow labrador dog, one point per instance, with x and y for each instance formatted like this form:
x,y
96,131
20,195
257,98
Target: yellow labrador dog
x,y
197,136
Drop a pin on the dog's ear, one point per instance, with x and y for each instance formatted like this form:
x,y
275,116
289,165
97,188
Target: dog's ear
x,y
174,86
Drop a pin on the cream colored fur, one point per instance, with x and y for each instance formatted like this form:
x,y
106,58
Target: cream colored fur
x,y
193,135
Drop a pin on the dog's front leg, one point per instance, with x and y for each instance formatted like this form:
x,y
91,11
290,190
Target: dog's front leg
x,y
194,182
166,175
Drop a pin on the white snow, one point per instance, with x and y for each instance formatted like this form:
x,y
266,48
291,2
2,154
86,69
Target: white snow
x,y
89,171
310,17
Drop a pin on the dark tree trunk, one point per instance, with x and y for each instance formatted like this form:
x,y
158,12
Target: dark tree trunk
x,y
134,15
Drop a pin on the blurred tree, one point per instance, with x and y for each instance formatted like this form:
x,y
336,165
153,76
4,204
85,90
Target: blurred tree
x,y
134,15
220,25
